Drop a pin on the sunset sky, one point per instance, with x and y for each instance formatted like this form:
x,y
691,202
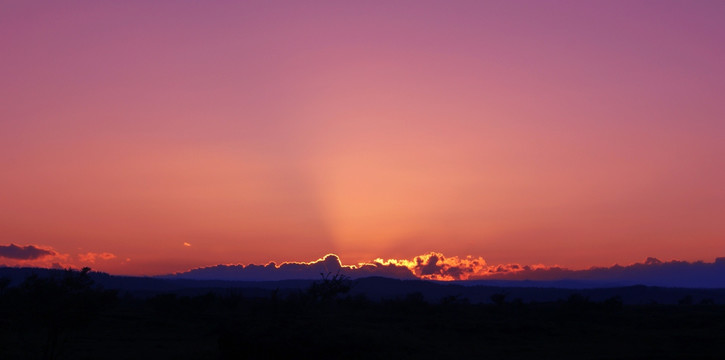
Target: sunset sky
x,y
150,137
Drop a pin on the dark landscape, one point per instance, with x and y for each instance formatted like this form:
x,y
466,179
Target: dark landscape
x,y
68,314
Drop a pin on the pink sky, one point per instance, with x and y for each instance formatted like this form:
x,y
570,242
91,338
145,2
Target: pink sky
x,y
564,132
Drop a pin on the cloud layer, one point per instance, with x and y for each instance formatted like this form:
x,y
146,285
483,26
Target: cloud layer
x,y
47,257
29,252
90,257
652,271
436,266
430,266
329,264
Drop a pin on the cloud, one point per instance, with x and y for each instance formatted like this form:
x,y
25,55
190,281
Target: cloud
x,y
91,257
379,269
431,266
29,252
651,271
436,266
46,257
329,264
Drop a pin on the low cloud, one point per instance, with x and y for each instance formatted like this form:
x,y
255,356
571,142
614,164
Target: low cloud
x,y
431,266
436,266
46,257
91,257
651,271
28,252
329,264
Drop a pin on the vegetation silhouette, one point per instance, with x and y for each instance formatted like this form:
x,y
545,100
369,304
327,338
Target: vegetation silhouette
x,y
43,311
499,298
330,287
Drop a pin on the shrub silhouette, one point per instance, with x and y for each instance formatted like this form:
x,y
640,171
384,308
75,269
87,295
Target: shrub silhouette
x,y
4,282
686,300
499,298
330,287
707,301
613,303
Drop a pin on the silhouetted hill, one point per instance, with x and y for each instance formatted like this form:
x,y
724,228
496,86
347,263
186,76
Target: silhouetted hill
x,y
383,288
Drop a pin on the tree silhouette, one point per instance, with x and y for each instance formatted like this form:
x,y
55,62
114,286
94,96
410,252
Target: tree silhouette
x,y
499,298
330,286
54,305
686,300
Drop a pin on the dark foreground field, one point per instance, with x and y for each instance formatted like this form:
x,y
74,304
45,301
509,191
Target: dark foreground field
x,y
68,318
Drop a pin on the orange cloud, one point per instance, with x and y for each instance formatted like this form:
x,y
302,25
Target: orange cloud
x,y
436,266
90,257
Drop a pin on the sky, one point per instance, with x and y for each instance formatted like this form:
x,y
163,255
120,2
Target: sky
x,y
152,137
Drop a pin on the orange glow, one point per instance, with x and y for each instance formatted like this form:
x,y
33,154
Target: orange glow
x,y
91,257
436,266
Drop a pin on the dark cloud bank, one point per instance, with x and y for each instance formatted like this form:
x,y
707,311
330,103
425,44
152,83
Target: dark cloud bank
x,y
650,272
29,252
329,265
